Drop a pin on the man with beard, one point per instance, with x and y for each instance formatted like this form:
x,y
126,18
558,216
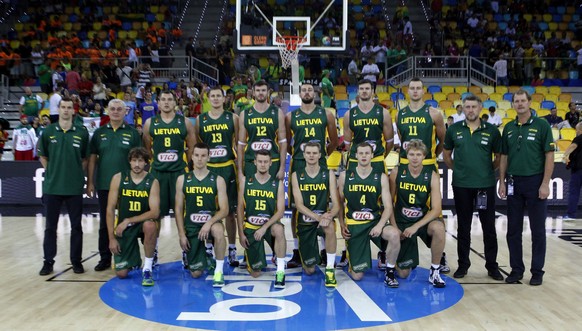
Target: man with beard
x,y
309,123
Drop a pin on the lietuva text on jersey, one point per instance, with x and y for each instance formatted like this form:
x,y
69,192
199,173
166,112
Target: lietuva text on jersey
x,y
366,122
413,187
134,193
414,120
167,131
361,188
215,127
260,193
260,120
199,190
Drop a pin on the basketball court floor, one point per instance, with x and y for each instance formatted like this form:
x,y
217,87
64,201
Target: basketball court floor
x,y
98,301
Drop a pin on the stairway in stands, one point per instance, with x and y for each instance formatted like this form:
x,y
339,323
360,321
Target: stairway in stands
x,y
202,21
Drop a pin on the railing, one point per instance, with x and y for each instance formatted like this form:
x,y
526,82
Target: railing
x,y
4,90
480,73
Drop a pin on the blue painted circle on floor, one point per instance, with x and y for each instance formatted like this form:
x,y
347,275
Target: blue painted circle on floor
x,y
247,303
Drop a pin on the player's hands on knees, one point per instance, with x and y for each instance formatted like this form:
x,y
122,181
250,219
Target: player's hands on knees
x,y
346,233
325,220
114,247
376,231
260,233
244,242
204,231
409,232
121,227
184,243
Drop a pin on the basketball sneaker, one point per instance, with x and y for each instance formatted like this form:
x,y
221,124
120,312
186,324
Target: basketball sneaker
x,y
343,260
232,261
390,278
435,278
295,260
218,279
280,279
147,279
444,268
210,261
330,280
382,260
155,261
185,260
323,257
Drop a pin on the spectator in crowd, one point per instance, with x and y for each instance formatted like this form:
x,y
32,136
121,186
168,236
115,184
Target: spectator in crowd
x,y
500,67
494,118
553,119
459,115
573,115
30,104
371,72
24,138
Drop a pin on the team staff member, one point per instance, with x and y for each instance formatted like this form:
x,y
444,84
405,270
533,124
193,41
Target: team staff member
x,y
421,121
417,206
309,123
110,146
369,122
574,151
314,187
165,135
525,170
136,194
474,142
63,150
261,127
366,216
202,193
219,129
261,205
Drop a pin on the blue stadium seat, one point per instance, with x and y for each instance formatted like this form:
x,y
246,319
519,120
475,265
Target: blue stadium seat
x,y
561,10
489,103
352,89
395,96
466,94
342,104
548,104
508,96
503,25
360,25
432,103
530,89
557,18
126,26
498,18
341,112
357,9
433,89
543,26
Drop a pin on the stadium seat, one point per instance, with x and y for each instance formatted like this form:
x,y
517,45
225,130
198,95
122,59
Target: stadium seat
x,y
439,96
562,105
568,133
563,144
538,97
334,160
551,97
461,89
448,89
450,111
488,89
342,104
466,94
453,97
543,112
535,105
508,96
503,105
432,103
510,113
496,96
444,104
501,89
475,89
482,96
555,90
434,89
489,103
506,120
397,96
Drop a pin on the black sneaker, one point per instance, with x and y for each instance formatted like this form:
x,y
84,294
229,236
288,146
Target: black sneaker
x,y
47,268
514,277
185,264
232,261
295,260
155,261
390,278
78,268
444,268
103,265
460,273
382,260
323,257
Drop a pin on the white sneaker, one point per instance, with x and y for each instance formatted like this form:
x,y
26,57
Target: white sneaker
x,y
435,278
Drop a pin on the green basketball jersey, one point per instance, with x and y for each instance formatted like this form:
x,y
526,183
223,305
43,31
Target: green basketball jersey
x,y
314,191
201,198
30,107
262,131
218,134
363,196
306,128
417,125
133,198
367,128
168,143
412,195
260,200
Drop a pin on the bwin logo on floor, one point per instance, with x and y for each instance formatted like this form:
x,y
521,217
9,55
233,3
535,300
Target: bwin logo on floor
x,y
253,303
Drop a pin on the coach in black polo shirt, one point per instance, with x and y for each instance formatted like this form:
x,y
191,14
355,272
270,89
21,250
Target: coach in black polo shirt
x,y
474,143
525,170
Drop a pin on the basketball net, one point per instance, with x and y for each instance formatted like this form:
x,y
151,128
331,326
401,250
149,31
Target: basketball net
x,y
289,47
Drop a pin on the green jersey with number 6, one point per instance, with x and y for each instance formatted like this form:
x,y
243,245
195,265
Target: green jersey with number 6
x,y
262,131
412,195
218,135
168,143
314,191
260,200
363,197
133,199
200,198
417,125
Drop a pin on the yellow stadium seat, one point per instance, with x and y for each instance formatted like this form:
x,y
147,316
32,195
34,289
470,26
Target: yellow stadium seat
x,y
543,112
482,96
506,120
450,111
555,90
562,113
510,113
496,97
500,112
513,89
568,133
503,105
402,103
547,18
541,89
461,89
427,96
14,44
562,105
454,97
334,160
439,96
444,104
488,89
501,89
341,96
565,97
535,105
475,89
340,89
132,34
447,89
538,97
563,144
154,9
552,97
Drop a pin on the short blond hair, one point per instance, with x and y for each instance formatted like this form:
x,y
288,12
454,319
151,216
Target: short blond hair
x,y
416,144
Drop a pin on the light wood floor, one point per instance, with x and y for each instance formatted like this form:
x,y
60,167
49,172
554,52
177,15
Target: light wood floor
x,y
71,302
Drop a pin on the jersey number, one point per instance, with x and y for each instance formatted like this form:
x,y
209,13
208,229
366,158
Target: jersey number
x,y
411,198
217,137
167,142
363,200
412,130
309,132
312,200
260,205
134,206
367,131
261,131
199,201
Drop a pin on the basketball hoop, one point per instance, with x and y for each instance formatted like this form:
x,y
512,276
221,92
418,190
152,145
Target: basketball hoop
x,y
289,47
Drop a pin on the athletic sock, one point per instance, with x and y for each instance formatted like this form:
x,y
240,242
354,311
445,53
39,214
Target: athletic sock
x,y
232,246
280,264
435,266
220,265
389,266
148,263
295,243
330,261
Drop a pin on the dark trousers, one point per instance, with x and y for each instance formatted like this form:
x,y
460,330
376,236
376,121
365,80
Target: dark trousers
x,y
526,196
53,205
104,251
574,192
464,204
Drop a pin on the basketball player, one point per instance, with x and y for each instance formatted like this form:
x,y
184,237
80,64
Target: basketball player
x,y
262,127
309,123
261,205
366,216
219,129
313,187
136,194
417,206
369,122
203,195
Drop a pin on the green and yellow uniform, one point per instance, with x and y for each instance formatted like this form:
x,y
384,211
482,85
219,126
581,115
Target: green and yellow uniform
x,y
260,204
368,127
363,209
417,125
307,128
218,134
262,133
412,202
31,105
169,157
474,169
133,200
525,146
327,92
65,150
315,194
201,203
112,146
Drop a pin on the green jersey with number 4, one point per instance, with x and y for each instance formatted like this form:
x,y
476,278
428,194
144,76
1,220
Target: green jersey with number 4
x,y
363,197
